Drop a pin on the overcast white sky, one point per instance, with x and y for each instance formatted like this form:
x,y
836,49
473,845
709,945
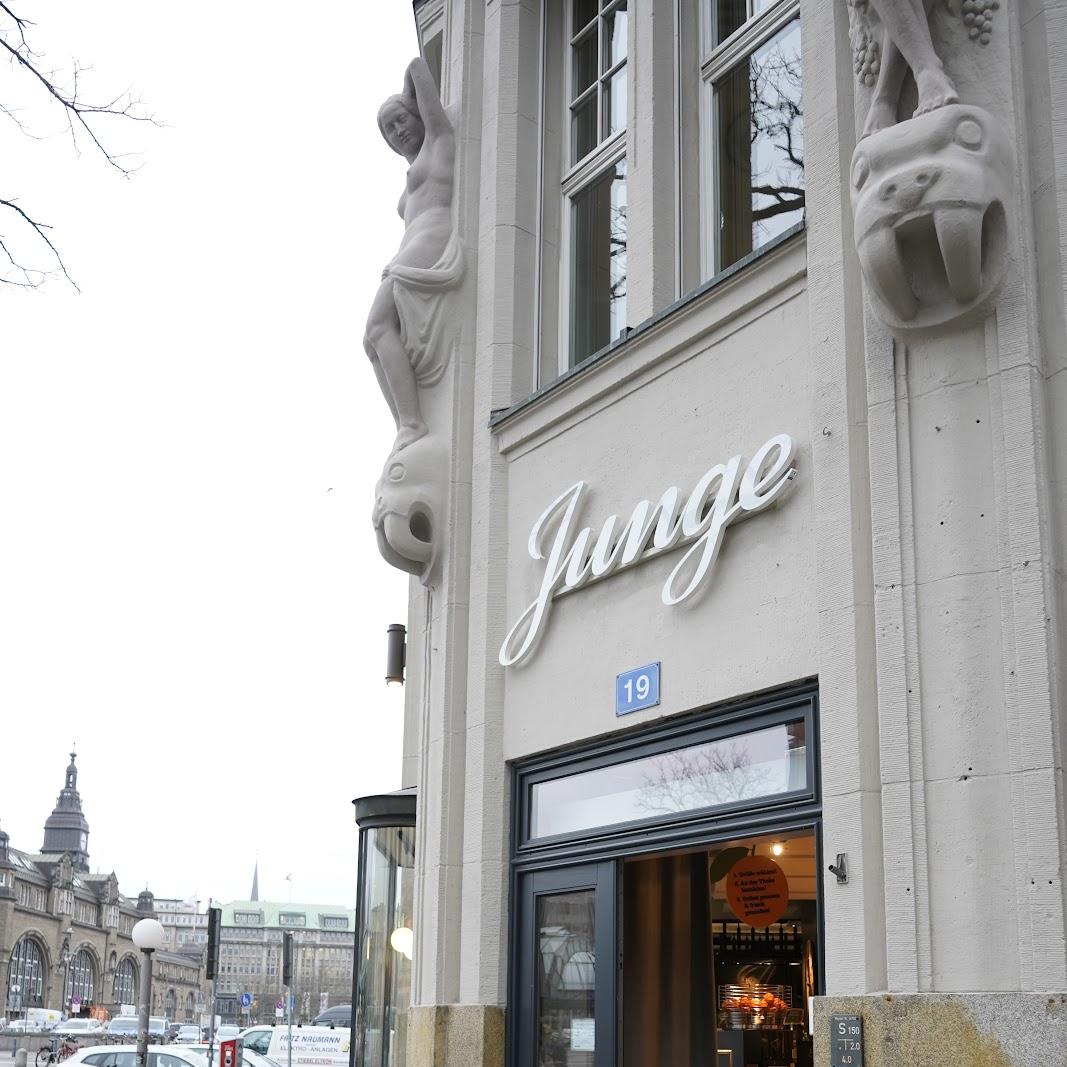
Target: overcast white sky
x,y
189,585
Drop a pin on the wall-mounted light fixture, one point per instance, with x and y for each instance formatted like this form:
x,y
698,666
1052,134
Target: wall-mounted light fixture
x,y
840,869
396,653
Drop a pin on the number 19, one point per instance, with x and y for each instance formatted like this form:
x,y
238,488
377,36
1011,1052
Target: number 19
x,y
641,686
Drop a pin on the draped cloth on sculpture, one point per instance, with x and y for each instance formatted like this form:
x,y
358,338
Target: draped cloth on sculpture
x,y
421,297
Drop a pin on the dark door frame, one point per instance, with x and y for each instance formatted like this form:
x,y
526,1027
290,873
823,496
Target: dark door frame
x,y
558,861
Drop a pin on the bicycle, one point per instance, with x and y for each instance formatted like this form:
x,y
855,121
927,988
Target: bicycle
x,y
49,1054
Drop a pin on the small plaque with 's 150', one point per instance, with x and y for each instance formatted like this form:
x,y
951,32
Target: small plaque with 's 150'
x,y
846,1041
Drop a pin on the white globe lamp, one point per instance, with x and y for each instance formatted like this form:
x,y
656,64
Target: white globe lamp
x,y
148,935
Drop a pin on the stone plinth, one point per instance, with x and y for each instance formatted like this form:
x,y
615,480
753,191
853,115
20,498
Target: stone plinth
x,y
454,1034
964,1029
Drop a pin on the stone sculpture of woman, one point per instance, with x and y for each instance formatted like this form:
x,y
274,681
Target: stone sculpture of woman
x,y
412,326
407,337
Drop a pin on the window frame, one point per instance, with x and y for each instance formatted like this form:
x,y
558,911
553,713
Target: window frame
x,y
709,724
715,61
579,175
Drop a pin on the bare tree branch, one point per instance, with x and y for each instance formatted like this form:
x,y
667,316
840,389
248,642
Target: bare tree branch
x,y
82,116
38,228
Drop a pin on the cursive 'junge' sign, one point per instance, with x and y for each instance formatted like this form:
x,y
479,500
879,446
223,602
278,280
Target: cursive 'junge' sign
x,y
722,496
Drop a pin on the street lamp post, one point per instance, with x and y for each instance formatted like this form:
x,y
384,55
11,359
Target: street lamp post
x,y
149,936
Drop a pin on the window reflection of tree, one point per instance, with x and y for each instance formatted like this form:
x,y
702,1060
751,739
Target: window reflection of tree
x,y
617,242
722,773
762,145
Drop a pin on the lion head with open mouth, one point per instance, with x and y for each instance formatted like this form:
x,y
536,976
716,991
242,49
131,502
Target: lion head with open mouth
x,y
929,203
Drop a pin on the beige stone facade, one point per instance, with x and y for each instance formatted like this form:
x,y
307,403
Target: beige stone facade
x,y
635,314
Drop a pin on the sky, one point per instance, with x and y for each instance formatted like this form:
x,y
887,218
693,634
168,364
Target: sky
x,y
190,589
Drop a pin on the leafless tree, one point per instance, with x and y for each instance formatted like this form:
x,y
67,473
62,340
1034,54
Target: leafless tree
x,y
85,118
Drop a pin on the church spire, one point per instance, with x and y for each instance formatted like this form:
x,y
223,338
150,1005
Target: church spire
x,y
66,829
255,883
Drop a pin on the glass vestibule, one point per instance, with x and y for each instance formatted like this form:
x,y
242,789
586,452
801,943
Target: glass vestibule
x,y
381,973
690,937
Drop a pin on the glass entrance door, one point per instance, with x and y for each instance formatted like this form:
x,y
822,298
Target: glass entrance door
x,y
566,976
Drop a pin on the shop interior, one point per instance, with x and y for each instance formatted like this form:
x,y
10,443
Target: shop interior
x,y
719,954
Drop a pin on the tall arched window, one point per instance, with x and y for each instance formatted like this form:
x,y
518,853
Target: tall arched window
x,y
25,976
125,989
81,978
168,1005
190,1008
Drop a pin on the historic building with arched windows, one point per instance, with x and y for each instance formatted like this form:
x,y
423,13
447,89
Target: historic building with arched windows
x,y
65,931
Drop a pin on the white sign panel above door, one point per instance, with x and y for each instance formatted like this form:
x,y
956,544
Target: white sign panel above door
x,y
722,496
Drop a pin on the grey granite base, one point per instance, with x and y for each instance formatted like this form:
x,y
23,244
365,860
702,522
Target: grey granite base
x,y
958,1029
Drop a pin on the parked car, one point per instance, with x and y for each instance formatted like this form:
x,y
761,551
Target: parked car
x,y
338,1015
227,1033
126,1056
122,1026
78,1028
126,1026
189,1034
23,1026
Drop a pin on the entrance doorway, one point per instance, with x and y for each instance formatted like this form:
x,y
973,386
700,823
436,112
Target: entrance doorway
x,y
719,954
691,938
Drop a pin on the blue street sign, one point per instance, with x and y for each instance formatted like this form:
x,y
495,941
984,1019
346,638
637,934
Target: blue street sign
x,y
246,1000
637,689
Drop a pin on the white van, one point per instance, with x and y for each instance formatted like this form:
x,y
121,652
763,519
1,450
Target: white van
x,y
313,1046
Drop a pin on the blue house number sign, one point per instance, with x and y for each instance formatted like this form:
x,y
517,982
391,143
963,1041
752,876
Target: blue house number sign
x,y
637,689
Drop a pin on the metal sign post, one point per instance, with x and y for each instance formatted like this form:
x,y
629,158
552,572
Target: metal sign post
x,y
211,970
287,981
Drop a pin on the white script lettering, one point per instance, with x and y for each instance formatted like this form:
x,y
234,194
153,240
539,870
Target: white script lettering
x,y
722,496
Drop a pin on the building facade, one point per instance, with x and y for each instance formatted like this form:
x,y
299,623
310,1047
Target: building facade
x,y
184,923
250,959
726,348
65,933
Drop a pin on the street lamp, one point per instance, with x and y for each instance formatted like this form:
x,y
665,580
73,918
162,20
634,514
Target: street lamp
x,y
149,936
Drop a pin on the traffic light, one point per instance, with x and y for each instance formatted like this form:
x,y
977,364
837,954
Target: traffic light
x,y
214,933
287,959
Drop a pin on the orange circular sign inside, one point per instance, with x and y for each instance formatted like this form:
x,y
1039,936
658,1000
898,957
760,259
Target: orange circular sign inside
x,y
757,890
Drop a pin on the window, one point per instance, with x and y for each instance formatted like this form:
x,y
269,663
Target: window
x,y
583,226
334,922
125,987
81,978
32,896
594,185
291,918
752,756
750,70
726,771
598,50
25,975
85,911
